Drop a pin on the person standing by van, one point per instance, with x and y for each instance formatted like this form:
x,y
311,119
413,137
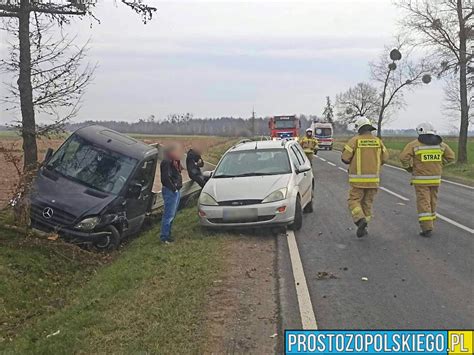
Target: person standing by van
x,y
171,181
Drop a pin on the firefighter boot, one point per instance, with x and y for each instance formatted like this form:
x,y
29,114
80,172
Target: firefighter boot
x,y
426,233
361,228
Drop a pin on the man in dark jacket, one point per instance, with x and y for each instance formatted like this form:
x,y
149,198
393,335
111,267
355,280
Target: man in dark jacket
x,y
194,163
171,181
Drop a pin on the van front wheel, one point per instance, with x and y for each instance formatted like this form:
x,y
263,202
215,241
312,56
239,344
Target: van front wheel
x,y
109,242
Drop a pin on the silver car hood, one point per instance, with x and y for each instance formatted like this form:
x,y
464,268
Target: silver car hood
x,y
245,188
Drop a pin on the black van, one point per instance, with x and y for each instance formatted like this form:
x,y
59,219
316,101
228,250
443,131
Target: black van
x,y
96,188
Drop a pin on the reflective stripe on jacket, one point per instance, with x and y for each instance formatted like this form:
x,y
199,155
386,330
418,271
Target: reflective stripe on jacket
x,y
427,161
365,154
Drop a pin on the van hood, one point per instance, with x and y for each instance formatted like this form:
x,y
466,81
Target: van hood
x,y
245,188
74,199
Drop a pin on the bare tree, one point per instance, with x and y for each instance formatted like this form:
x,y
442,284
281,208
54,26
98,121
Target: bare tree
x,y
360,100
179,118
452,99
444,27
395,75
60,12
58,76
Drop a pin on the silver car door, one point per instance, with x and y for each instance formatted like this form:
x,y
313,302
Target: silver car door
x,y
301,178
307,178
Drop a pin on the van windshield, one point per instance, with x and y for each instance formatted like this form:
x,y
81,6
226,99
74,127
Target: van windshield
x,y
95,167
323,132
254,163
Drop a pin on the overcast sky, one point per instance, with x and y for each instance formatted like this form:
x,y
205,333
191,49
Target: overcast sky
x,y
221,58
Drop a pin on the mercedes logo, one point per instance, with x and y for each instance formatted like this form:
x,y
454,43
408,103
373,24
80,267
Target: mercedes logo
x,y
48,212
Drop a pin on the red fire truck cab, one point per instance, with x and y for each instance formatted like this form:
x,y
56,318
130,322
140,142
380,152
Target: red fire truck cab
x,y
282,127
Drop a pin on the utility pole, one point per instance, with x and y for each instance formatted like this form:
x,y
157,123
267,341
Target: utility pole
x,y
253,122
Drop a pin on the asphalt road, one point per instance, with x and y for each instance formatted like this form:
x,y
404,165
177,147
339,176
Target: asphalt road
x,y
412,282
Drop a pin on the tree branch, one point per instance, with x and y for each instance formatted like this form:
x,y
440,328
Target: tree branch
x,y
8,14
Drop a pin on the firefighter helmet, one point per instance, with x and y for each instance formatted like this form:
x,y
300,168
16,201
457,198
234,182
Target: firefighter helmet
x,y
363,121
425,128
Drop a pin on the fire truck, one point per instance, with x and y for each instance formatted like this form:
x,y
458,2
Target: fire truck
x,y
282,127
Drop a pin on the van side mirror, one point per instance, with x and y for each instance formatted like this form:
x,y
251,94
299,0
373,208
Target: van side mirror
x,y
48,155
134,191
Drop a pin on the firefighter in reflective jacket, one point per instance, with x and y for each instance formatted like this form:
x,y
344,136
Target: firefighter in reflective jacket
x,y
309,144
425,158
365,155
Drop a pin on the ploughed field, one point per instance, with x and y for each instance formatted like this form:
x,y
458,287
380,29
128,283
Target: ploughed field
x,y
11,142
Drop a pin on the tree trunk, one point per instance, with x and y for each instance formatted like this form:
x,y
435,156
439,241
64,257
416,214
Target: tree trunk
x,y
383,105
26,92
464,126
379,123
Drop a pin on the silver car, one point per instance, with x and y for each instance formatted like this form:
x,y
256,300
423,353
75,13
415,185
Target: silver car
x,y
267,183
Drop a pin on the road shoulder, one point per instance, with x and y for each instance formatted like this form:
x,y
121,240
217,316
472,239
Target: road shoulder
x,y
242,312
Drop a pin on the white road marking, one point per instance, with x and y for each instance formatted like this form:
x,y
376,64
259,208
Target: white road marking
x,y
308,319
395,167
454,223
342,169
458,184
394,193
322,159
443,180
330,163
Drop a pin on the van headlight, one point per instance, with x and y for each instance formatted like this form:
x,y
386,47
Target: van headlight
x,y
207,200
88,223
277,195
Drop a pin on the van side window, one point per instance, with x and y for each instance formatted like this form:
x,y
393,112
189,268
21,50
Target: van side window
x,y
144,174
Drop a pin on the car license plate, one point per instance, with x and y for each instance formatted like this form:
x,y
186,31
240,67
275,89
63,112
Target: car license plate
x,y
240,215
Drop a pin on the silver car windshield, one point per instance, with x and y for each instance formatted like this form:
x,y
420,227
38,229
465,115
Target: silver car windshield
x,y
254,163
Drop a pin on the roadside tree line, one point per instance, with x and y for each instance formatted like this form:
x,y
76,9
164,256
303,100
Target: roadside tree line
x,y
181,124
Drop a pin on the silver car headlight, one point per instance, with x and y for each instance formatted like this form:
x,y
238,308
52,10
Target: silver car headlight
x,y
207,200
88,223
276,196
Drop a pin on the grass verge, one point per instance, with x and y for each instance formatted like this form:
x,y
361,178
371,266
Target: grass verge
x,y
463,173
150,298
58,298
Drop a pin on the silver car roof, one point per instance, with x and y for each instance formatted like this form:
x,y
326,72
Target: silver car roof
x,y
280,144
